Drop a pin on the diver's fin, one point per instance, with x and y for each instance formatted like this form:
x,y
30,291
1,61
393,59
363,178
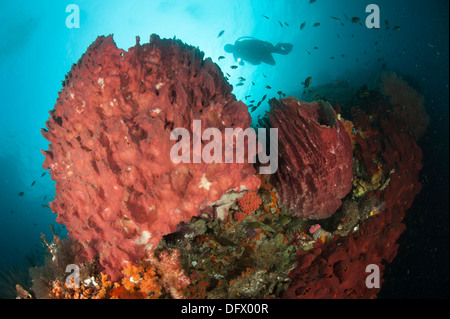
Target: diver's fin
x,y
268,58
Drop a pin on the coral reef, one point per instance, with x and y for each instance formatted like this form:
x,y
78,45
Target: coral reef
x,y
367,232
118,192
315,157
144,227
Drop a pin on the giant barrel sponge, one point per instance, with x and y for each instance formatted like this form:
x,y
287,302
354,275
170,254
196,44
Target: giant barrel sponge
x,y
315,157
117,190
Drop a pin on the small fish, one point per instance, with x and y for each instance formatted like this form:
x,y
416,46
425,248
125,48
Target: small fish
x,y
283,220
279,92
337,34
266,17
264,97
43,174
316,24
21,194
241,78
240,84
345,16
268,87
32,184
332,58
45,197
228,74
234,67
253,83
286,24
307,82
316,48
221,33
343,55
253,109
254,225
311,1
221,57
259,103
264,75
302,25
34,224
12,212
252,101
45,206
283,94
334,18
397,28
386,22
247,96
355,20
383,66
281,24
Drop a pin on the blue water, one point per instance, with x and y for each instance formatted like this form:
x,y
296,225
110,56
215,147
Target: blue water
x,y
37,50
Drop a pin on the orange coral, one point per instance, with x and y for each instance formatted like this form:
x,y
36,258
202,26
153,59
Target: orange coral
x,y
250,202
348,125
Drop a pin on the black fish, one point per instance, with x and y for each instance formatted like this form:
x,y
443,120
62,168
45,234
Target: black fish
x,y
308,52
21,194
338,35
45,206
332,58
253,83
268,87
12,212
259,103
264,75
252,101
240,84
247,96
281,24
221,57
43,174
266,17
397,28
316,24
316,48
221,33
264,97
241,78
228,74
286,24
32,184
234,67
355,20
302,25
312,1
253,109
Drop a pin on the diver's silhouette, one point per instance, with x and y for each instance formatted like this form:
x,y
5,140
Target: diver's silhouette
x,y
255,51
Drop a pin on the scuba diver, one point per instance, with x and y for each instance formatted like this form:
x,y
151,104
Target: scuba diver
x,y
255,51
